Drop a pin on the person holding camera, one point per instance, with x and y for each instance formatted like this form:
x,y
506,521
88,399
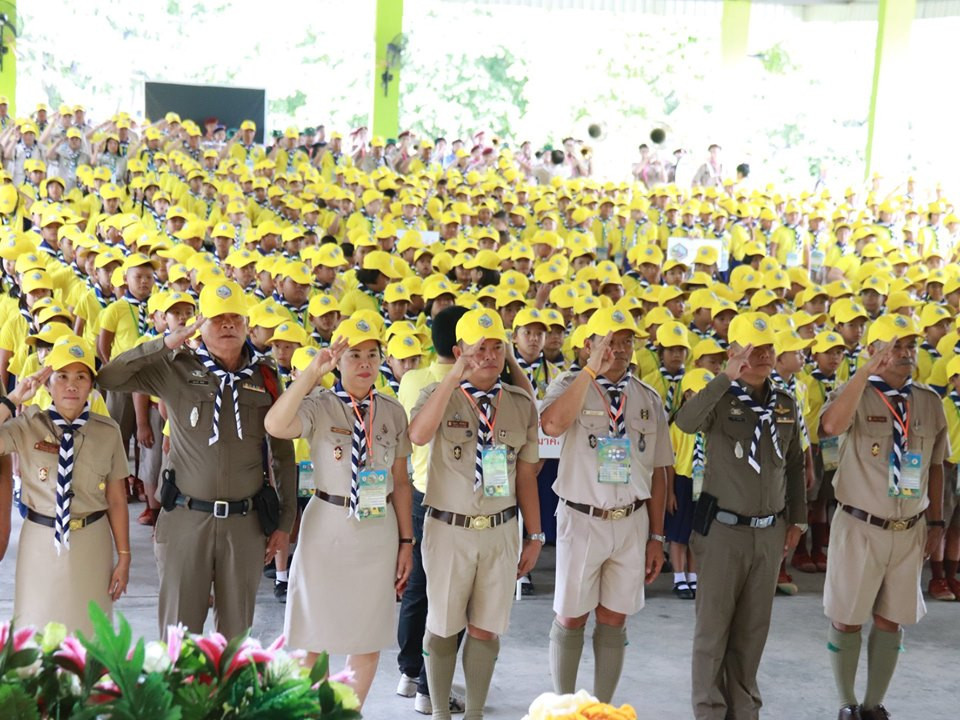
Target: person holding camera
x,y
750,514
229,492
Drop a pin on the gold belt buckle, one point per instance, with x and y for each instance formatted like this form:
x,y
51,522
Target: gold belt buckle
x,y
480,522
618,514
899,525
76,524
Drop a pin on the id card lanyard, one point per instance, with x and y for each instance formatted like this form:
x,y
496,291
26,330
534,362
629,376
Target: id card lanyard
x,y
496,409
614,417
367,431
904,423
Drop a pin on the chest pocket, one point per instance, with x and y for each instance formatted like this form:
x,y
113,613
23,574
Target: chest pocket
x,y
384,449
459,444
514,440
253,409
643,434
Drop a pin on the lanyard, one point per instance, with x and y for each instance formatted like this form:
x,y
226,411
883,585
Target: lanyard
x,y
368,433
903,422
136,318
606,405
496,409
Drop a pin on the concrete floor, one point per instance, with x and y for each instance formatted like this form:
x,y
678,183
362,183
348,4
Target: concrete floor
x,y
795,676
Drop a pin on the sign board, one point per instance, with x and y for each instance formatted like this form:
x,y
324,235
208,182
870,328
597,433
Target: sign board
x,y
549,446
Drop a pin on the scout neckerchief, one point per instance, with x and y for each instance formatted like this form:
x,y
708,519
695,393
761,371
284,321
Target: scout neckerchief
x,y
227,379
44,246
27,150
390,377
296,312
61,523
574,367
671,381
698,452
617,398
852,356
764,417
141,311
486,404
26,314
827,382
722,342
698,332
898,403
319,339
531,368
934,353
791,387
955,397
362,443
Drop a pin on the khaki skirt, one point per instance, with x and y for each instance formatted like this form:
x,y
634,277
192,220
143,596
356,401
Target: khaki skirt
x,y
341,597
58,588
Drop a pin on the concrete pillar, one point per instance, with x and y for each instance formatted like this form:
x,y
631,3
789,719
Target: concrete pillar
x,y
386,76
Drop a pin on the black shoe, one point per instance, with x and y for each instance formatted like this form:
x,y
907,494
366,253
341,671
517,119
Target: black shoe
x,y
270,570
280,591
877,713
849,712
682,590
693,589
526,585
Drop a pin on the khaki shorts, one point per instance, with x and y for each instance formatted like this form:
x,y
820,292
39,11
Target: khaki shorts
x,y
471,576
873,572
599,562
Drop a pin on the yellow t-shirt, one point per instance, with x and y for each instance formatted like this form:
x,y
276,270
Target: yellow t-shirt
x,y
410,387
952,412
682,450
120,318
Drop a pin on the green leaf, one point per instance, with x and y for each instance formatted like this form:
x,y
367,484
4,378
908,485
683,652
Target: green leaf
x,y
17,704
320,669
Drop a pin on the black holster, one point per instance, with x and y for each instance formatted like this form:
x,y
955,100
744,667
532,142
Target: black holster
x,y
267,504
704,513
169,490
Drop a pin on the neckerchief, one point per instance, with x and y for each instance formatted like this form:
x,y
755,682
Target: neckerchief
x,y
764,417
390,378
899,399
616,395
227,379
484,403
141,308
672,382
358,450
61,526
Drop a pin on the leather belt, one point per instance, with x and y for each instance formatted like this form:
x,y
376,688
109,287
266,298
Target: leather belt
x,y
473,522
612,514
75,523
340,500
882,523
220,509
728,517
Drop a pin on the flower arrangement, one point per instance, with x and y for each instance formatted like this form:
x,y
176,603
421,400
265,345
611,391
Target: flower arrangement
x,y
51,675
581,706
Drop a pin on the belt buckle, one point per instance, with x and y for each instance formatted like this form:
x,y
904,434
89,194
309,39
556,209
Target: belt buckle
x,y
221,509
899,525
480,522
761,522
618,514
77,524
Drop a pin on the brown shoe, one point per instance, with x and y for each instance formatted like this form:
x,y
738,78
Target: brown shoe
x,y
939,589
820,560
877,713
850,712
785,584
148,517
954,586
803,562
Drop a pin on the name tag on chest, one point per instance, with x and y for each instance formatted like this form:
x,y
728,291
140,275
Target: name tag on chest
x,y
48,447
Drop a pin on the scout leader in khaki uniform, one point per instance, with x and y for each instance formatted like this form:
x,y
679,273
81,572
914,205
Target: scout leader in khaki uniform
x,y
890,478
748,517
217,397
73,466
483,463
616,448
356,537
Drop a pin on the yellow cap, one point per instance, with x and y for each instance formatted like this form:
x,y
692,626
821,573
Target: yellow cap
x,y
933,314
953,367
611,320
357,329
50,333
382,261
69,350
36,280
707,346
298,272
267,314
847,310
752,328
477,325
826,341
891,327
329,255
302,357
529,316
222,298
789,340
673,334
169,299
52,311
900,299
289,332
403,345
696,380
321,304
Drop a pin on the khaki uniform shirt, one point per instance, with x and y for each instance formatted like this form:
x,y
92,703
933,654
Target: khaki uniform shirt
x,y
647,428
727,422
328,426
862,478
230,469
98,458
453,450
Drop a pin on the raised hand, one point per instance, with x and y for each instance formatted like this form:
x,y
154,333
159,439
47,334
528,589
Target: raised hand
x,y
881,359
179,336
27,388
326,360
601,354
467,362
737,362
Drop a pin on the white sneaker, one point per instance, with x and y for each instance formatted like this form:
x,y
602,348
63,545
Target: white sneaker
x,y
407,687
424,706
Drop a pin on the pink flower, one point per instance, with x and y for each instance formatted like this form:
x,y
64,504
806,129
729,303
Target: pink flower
x,y
175,635
73,651
345,676
249,652
20,637
212,646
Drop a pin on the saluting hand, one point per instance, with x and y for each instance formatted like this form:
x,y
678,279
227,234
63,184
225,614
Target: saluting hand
x,y
467,362
326,360
737,362
601,354
27,388
179,336
881,359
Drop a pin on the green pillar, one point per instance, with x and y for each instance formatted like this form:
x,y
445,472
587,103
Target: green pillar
x,y
386,71
886,118
8,76
734,31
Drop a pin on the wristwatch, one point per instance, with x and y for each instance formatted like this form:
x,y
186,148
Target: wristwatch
x,y
802,527
658,538
539,537
936,523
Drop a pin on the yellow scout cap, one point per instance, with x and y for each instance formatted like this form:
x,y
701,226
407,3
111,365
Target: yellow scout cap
x,y
222,298
891,327
696,380
289,332
953,367
357,329
321,304
553,318
329,255
267,314
50,333
36,280
933,314
169,299
433,290
69,350
53,311
396,292
477,325
607,320
750,328
847,310
529,316
485,259
789,340
298,272
382,261
826,341
900,299
403,346
302,357
241,258
707,346
673,334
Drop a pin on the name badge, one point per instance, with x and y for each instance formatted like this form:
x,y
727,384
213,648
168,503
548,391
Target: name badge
x,y
305,484
341,431
877,419
595,413
372,503
251,386
457,424
47,447
496,480
909,487
613,460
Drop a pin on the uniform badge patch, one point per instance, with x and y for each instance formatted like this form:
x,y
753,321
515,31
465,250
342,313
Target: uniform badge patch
x,y
875,449
644,414
194,417
592,440
457,452
337,453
